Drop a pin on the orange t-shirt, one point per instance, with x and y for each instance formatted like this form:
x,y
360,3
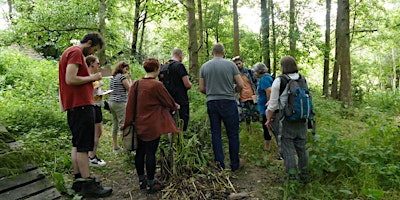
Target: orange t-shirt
x,y
247,91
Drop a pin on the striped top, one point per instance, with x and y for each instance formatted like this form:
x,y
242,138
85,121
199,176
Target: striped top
x,y
119,93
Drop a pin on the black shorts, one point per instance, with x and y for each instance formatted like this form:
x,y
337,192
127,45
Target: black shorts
x,y
98,115
81,123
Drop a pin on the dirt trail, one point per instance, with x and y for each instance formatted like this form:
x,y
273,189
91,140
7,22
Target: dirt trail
x,y
252,182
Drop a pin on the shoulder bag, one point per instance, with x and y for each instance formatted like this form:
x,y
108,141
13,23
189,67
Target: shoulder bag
x,y
129,137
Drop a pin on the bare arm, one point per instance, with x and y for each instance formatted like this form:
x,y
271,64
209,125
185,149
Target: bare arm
x,y
268,92
72,78
202,87
187,82
239,83
127,83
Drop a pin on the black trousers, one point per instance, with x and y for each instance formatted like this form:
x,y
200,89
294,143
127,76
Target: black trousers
x,y
146,151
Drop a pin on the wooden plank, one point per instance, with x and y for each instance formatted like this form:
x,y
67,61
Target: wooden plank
x,y
21,179
48,194
14,144
3,129
5,136
22,167
27,190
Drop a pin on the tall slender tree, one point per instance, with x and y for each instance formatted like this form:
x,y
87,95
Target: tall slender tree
x,y
10,9
327,49
265,33
394,79
135,29
143,27
292,29
275,54
102,29
193,50
200,16
335,73
236,49
343,51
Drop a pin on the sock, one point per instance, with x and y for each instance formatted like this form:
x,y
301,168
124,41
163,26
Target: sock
x,y
77,176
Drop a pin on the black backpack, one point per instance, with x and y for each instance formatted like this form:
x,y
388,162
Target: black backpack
x,y
165,77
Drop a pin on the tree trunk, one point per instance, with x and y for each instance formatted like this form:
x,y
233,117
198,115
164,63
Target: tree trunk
x,y
265,34
218,18
102,29
140,53
394,81
343,51
206,39
10,8
327,51
236,48
271,5
193,50
292,29
135,31
200,15
335,75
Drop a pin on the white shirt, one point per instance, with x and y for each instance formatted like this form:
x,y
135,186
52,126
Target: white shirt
x,y
276,102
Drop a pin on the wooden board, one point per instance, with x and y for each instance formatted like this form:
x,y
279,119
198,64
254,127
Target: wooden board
x,y
29,184
48,194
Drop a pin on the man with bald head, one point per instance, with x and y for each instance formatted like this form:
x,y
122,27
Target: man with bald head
x,y
219,80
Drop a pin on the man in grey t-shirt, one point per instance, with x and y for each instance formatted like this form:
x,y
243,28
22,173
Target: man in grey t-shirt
x,y
219,79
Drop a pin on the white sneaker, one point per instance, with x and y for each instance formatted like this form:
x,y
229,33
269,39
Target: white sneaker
x,y
96,162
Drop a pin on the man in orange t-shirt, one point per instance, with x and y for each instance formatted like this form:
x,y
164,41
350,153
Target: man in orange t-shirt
x,y
76,95
248,93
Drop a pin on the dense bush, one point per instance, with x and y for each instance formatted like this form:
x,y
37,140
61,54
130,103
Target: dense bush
x,y
29,93
354,153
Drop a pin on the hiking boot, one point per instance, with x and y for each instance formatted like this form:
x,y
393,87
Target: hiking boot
x,y
142,181
91,188
77,186
96,162
154,186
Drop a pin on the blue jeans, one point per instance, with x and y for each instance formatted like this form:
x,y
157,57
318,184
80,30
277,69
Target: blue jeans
x,y
227,112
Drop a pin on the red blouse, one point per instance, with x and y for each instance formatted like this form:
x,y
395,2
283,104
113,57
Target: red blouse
x,y
154,104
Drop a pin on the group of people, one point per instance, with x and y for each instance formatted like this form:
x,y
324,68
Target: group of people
x,y
153,102
220,79
81,97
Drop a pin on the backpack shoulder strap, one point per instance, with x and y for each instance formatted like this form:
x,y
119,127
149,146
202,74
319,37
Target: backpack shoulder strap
x,y
284,81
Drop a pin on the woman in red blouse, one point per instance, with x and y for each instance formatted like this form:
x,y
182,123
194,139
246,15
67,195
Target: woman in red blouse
x,y
153,119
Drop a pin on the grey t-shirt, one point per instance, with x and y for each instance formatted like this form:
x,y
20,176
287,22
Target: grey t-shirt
x,y
219,81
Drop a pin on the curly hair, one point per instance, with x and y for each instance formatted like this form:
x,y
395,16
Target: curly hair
x,y
118,68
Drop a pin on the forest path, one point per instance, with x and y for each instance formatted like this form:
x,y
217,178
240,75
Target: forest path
x,y
250,182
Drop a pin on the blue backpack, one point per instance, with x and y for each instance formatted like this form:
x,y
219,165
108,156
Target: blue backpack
x,y
299,106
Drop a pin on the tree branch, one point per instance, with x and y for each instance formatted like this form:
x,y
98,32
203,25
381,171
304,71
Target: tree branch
x,y
363,31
